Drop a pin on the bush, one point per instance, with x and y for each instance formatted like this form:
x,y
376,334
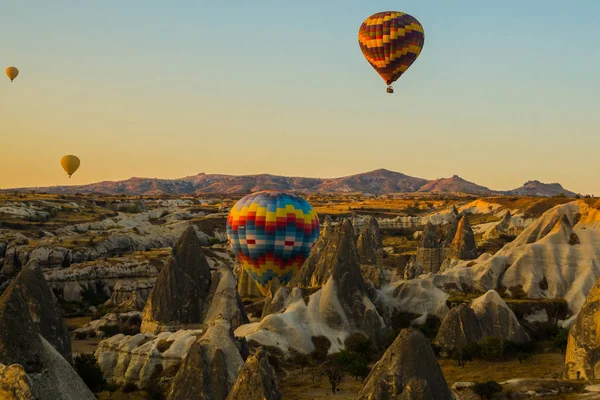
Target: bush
x,y
112,387
322,345
354,364
90,372
560,339
491,348
487,389
360,344
430,327
298,358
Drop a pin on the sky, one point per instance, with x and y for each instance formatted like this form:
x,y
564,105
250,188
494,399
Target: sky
x,y
503,92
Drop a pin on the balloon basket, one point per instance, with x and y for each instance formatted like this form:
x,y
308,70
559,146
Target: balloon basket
x,y
390,89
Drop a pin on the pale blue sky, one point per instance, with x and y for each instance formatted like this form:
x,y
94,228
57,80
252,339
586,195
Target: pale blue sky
x,y
503,91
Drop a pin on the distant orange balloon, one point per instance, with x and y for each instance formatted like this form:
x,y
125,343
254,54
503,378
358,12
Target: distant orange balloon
x,y
70,164
12,73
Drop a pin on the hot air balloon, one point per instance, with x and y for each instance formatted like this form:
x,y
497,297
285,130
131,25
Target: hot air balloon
x,y
271,234
12,73
391,41
70,164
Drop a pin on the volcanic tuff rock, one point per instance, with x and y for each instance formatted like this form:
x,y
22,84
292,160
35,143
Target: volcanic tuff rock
x,y
412,269
497,319
408,368
15,384
210,367
341,307
42,307
276,302
25,323
179,296
133,359
429,252
315,270
130,295
463,245
256,380
542,259
369,242
582,359
459,328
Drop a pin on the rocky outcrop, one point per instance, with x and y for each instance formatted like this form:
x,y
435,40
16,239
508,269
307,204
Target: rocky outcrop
x,y
315,270
179,297
340,308
497,319
28,316
123,322
134,359
41,305
256,380
412,269
138,269
130,295
582,359
246,286
276,302
223,299
15,384
459,329
210,367
429,252
463,245
407,370
369,242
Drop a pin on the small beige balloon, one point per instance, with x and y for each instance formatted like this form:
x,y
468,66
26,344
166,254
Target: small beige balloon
x,y
12,73
70,164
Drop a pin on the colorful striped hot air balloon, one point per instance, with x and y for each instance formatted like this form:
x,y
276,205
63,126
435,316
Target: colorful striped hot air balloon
x,y
272,233
391,41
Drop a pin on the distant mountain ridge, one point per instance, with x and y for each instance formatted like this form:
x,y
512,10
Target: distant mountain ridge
x,y
380,181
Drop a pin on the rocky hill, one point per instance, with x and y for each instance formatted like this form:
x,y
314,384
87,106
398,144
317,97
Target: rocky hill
x,y
537,188
380,181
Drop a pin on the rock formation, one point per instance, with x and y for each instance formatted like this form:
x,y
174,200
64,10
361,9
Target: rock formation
x,y
246,286
341,307
429,251
315,270
412,269
15,384
122,322
277,302
256,380
41,305
210,367
407,370
497,319
369,242
31,329
463,245
130,295
582,359
178,297
459,328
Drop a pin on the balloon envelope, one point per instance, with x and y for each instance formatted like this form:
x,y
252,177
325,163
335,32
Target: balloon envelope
x,y
12,73
391,41
70,164
272,233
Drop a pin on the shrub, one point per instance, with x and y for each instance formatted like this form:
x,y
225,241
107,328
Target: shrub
x,y
560,339
322,345
491,348
89,371
360,344
354,364
298,358
112,387
487,389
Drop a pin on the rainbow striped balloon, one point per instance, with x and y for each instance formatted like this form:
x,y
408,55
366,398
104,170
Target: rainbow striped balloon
x,y
272,233
391,41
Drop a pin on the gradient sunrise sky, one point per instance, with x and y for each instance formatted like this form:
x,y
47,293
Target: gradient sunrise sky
x,y
503,92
